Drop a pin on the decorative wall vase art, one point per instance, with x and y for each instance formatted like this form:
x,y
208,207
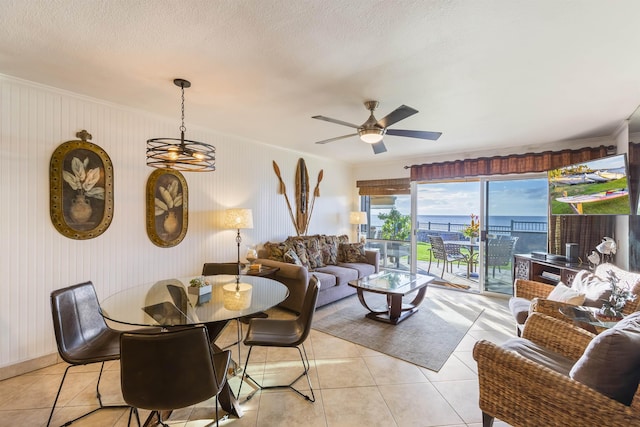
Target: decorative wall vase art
x,y
304,205
81,188
167,207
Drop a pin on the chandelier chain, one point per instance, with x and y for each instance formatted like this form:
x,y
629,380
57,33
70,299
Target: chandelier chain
x,y
182,128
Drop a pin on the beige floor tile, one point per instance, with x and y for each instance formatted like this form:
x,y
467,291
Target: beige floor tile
x,y
418,405
389,370
286,408
339,373
453,369
356,406
463,396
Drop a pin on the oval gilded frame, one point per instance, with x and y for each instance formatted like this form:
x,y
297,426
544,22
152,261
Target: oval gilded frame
x,y
80,189
167,207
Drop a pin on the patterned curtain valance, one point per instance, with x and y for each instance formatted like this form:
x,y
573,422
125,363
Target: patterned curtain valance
x,y
502,165
384,187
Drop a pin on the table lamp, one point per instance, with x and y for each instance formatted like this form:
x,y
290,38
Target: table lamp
x,y
358,218
237,219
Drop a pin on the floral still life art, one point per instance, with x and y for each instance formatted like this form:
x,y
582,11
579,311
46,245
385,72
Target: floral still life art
x,y
620,295
83,181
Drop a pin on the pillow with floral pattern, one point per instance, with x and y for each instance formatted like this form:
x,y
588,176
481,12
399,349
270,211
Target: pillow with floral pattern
x,y
352,252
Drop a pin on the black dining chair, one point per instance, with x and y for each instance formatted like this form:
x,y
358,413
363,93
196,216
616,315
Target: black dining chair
x,y
163,371
284,333
82,335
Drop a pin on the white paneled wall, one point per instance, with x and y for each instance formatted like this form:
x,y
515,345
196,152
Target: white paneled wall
x,y
35,258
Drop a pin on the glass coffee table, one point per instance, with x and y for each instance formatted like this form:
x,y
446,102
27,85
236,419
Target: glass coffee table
x,y
585,317
394,285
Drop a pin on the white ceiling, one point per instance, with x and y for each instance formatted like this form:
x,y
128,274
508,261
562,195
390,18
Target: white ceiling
x,y
488,74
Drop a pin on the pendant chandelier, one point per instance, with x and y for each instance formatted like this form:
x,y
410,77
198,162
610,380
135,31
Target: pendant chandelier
x,y
181,154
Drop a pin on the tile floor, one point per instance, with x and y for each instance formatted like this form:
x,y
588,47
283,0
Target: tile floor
x,y
354,386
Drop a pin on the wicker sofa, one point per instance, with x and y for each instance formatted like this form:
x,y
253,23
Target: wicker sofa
x,y
558,374
332,259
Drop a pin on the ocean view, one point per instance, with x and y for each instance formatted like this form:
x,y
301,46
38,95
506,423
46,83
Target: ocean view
x,y
465,219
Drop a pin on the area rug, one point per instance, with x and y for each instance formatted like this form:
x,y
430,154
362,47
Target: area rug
x,y
427,338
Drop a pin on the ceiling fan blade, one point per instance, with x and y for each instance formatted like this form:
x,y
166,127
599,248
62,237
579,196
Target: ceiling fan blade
x,y
415,134
324,141
336,121
378,147
400,113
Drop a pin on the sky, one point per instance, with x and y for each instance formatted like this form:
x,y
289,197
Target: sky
x,y
506,198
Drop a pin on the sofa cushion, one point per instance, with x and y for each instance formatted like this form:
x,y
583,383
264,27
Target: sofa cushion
x,y
611,361
352,252
342,274
329,248
301,251
563,293
595,289
519,307
327,280
292,257
276,251
313,252
362,268
539,354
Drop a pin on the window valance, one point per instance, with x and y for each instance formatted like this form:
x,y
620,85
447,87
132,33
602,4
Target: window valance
x,y
502,165
384,187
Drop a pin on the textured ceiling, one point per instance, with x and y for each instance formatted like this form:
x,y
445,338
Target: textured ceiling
x,y
488,74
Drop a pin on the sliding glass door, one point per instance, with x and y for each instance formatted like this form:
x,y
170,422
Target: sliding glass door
x,y
514,221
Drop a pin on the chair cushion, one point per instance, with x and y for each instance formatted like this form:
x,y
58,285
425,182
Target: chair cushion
x,y
611,361
539,354
594,288
520,309
563,293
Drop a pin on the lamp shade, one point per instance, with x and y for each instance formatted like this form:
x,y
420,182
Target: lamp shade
x,y
358,218
238,218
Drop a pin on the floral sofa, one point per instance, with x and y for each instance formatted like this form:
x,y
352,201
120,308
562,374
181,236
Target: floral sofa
x,y
332,259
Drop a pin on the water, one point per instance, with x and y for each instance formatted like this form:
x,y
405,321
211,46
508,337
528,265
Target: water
x,y
465,219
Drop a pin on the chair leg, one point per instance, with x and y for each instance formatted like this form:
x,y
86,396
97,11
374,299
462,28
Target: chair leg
x,y
305,364
131,412
487,420
97,395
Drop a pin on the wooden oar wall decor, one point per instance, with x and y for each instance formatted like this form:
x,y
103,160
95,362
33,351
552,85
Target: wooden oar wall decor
x,y
304,205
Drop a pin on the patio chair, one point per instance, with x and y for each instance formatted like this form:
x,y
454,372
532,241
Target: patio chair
x,y
500,252
446,253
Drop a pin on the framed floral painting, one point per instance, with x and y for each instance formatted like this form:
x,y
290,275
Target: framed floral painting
x,y
81,188
167,207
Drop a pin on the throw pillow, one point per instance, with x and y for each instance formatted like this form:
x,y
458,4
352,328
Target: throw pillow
x,y
329,248
353,252
301,251
276,251
314,253
292,257
595,289
563,293
611,361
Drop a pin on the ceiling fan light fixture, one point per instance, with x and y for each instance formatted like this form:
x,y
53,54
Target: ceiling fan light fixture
x,y
371,136
181,154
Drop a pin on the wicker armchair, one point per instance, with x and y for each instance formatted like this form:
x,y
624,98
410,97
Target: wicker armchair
x,y
521,392
537,293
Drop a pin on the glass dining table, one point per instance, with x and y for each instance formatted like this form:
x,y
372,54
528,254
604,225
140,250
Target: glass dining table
x,y
172,303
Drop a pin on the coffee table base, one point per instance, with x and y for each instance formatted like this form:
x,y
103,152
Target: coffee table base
x,y
396,311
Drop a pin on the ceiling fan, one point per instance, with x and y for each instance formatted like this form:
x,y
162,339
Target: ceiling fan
x,y
372,131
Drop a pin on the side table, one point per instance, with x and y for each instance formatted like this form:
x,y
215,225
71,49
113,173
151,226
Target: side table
x,y
264,271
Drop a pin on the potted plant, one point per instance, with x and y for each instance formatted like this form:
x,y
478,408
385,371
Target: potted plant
x,y
199,286
612,308
472,230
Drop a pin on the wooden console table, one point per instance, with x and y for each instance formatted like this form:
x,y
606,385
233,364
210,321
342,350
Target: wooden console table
x,y
546,271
